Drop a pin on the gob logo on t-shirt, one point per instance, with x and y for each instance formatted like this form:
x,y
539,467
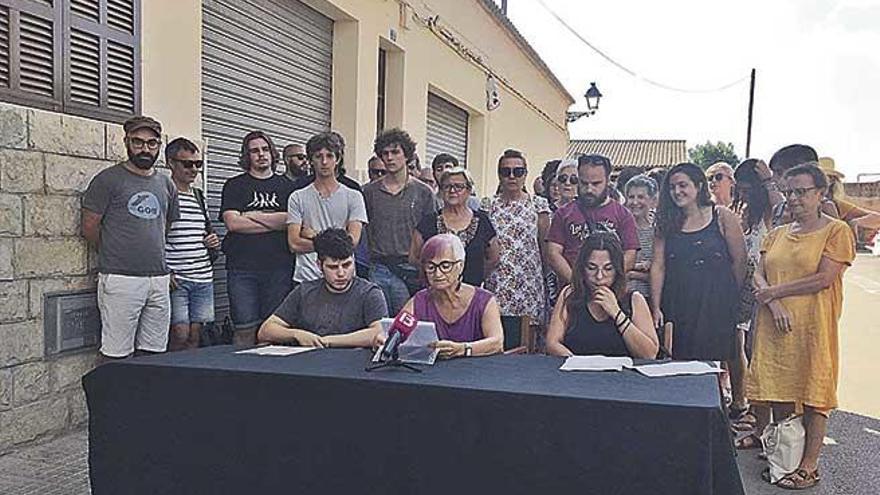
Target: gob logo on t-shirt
x,y
144,205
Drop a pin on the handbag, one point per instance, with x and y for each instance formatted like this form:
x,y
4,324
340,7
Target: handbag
x,y
213,253
783,443
215,333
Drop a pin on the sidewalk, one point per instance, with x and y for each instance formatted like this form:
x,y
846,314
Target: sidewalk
x,y
58,467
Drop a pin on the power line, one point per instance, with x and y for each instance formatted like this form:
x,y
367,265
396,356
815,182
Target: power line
x,y
631,72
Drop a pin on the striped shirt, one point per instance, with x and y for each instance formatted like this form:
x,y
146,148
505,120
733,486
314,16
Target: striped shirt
x,y
185,250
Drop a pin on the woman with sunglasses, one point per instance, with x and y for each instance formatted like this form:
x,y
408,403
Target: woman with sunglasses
x,y
473,227
567,181
467,319
698,267
721,183
521,222
799,281
596,314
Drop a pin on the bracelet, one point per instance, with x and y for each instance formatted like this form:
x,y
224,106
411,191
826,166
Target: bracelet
x,y
619,312
628,324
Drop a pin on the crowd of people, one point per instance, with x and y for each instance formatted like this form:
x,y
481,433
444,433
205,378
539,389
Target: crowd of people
x,y
740,263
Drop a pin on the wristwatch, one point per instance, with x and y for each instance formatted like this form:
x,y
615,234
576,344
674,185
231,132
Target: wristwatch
x,y
468,349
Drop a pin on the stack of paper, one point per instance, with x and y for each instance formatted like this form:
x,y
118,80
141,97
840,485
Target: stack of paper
x,y
276,350
676,368
596,363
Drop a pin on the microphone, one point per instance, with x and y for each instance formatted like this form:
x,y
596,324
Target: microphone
x,y
403,325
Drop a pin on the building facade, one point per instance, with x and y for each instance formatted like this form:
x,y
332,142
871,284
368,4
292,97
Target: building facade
x,y
454,73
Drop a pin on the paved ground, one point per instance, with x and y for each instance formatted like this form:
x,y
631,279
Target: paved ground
x,y
850,463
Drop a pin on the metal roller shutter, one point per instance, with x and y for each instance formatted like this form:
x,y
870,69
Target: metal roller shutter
x,y
266,64
447,130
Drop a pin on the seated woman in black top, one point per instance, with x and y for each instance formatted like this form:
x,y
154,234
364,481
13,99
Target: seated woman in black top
x,y
455,217
588,318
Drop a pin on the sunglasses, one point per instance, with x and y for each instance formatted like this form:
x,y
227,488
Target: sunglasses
x,y
377,172
515,172
454,187
797,192
718,177
188,164
571,179
298,156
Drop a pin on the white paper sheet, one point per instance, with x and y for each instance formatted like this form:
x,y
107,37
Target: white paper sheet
x,y
596,363
677,368
276,350
416,349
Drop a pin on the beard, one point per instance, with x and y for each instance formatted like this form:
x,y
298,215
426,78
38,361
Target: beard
x,y
143,160
591,201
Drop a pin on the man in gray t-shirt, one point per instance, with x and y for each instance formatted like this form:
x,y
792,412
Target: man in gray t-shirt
x,y
338,310
126,211
323,204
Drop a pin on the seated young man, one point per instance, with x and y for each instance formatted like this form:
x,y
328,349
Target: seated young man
x,y
337,310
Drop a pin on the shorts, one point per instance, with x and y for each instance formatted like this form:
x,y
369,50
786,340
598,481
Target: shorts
x,y
134,311
255,294
192,302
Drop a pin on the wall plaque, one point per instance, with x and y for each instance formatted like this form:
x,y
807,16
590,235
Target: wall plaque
x,y
71,320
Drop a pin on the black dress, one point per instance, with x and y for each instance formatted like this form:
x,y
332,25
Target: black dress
x,y
587,336
475,238
700,293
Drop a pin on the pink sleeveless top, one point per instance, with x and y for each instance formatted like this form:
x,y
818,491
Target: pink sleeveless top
x,y
467,328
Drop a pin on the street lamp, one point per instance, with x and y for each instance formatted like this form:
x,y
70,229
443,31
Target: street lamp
x,y
592,96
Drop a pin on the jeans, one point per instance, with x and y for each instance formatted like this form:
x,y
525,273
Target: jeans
x,y
395,289
255,294
192,302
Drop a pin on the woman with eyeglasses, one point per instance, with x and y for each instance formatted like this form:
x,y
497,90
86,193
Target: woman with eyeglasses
x,y
467,318
521,221
799,289
596,314
698,268
473,227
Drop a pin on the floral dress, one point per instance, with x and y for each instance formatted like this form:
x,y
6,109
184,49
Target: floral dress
x,y
518,281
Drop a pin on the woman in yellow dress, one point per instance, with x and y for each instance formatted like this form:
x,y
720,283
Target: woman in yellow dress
x,y
799,286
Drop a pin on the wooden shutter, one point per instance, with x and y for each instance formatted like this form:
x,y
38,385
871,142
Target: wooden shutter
x,y
103,74
30,52
75,56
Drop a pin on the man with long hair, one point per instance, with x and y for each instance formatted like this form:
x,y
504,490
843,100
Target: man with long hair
x,y
259,267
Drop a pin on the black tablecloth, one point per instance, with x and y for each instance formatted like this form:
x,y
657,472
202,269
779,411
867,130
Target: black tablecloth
x,y
213,422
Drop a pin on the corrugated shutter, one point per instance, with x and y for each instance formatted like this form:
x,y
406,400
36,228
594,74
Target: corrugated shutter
x,y
447,130
267,65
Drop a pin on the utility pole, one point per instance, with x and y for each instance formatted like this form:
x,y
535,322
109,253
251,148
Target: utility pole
x,y
751,112
504,7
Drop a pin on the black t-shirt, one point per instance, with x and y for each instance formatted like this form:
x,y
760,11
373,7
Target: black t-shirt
x,y
475,238
267,251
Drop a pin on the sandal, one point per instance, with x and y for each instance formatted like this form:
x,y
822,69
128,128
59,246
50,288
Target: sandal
x,y
800,479
750,441
765,475
737,413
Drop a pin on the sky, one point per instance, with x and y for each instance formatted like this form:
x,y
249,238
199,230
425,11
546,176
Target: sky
x,y
817,61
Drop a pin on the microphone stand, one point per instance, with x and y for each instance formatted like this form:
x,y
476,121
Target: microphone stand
x,y
394,362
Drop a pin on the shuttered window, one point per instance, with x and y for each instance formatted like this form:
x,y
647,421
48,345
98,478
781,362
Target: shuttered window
x,y
74,56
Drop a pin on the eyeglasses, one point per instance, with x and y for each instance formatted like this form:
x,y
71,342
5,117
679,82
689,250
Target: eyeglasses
x,y
141,143
718,177
571,179
454,187
515,171
797,192
377,172
197,164
443,266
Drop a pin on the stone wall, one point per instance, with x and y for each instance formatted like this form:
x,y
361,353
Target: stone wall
x,y
46,162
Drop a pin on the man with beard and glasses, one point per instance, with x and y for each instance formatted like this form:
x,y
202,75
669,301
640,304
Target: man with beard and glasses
x,y
259,266
126,212
295,161
337,310
593,210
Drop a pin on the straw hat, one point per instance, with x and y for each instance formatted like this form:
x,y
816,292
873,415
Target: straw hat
x,y
827,166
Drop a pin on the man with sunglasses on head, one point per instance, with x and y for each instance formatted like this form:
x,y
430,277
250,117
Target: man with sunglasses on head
x,y
295,161
592,210
126,212
190,238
